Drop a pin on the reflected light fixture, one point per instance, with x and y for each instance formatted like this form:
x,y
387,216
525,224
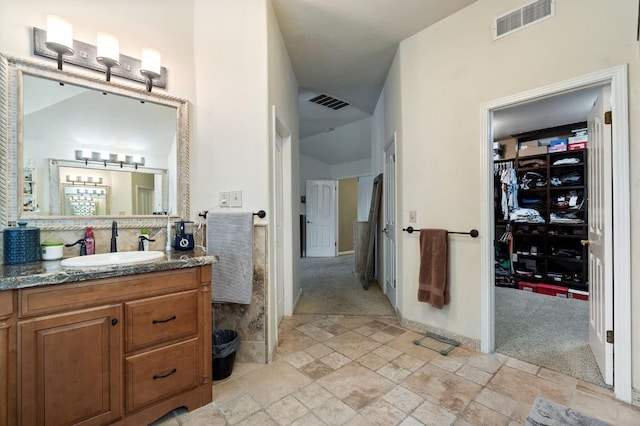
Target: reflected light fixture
x,y
108,53
59,37
106,158
150,67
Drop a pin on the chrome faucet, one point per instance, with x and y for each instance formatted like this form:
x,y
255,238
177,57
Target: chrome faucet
x,y
114,235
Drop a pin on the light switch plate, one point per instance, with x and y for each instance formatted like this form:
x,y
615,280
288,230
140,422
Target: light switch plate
x,y
412,216
235,198
224,199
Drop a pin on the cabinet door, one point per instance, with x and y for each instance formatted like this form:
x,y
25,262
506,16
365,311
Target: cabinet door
x,y
71,369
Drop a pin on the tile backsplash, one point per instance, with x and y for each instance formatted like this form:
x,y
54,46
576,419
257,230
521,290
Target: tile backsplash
x,y
127,239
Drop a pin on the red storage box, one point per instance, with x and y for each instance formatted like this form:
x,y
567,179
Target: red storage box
x,y
578,294
532,287
553,290
577,146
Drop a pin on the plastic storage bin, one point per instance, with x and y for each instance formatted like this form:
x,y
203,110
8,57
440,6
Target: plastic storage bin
x,y
225,344
532,287
553,290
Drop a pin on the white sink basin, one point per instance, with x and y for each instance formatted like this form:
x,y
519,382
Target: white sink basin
x,y
111,259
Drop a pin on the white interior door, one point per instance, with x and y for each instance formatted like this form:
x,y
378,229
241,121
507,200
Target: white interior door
x,y
389,244
321,218
600,235
144,200
279,211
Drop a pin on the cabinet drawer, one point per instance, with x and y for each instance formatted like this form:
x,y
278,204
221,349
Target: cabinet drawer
x,y
161,373
161,319
57,298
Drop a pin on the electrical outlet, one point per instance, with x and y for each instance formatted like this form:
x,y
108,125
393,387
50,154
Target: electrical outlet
x,y
412,216
235,198
224,199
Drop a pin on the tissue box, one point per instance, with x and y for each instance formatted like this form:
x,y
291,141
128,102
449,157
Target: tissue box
x,y
578,142
577,146
558,145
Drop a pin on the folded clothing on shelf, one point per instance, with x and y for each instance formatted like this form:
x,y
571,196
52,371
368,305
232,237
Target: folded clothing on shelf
x,y
526,215
566,161
571,178
564,217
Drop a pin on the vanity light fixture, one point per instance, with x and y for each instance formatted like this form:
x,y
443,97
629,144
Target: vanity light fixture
x,y
108,52
59,37
57,41
150,67
106,159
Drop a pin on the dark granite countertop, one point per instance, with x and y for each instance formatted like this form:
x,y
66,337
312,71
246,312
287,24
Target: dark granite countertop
x,y
48,272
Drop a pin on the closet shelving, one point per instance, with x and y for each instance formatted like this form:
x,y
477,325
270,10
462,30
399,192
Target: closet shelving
x,y
548,249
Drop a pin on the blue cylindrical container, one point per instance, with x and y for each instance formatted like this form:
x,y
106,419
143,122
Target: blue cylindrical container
x,y
21,244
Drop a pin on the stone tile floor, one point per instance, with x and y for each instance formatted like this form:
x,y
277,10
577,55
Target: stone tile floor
x,y
336,370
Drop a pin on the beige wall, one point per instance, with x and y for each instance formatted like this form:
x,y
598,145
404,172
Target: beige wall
x,y
347,212
446,72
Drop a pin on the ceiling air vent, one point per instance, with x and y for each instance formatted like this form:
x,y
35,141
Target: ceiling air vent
x,y
329,102
518,19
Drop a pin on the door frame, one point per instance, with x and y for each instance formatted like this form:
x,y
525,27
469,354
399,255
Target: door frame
x,y
390,206
278,126
617,78
278,222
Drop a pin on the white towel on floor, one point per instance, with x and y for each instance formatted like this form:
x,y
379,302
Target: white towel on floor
x,y
230,237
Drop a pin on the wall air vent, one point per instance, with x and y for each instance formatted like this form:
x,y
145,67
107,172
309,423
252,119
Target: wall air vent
x,y
523,17
329,102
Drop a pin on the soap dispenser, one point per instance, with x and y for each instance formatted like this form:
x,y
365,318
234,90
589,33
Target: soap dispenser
x,y
90,241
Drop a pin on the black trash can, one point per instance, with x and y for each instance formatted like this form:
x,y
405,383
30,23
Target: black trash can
x,y
225,344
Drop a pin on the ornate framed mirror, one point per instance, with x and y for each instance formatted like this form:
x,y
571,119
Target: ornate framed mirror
x,y
60,129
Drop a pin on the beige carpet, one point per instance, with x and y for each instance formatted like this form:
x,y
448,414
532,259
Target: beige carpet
x,y
551,332
329,287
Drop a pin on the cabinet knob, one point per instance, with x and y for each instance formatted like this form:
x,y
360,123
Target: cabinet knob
x,y
114,321
384,230
584,242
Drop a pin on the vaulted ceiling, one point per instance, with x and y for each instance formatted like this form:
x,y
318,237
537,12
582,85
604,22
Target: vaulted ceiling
x,y
344,48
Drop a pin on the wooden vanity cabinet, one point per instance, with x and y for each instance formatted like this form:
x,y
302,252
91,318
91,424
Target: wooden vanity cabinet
x,y
8,404
70,368
123,350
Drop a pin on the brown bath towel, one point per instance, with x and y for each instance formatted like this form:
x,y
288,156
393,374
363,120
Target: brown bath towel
x,y
433,282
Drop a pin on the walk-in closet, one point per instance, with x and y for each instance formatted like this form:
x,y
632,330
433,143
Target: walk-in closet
x,y
541,215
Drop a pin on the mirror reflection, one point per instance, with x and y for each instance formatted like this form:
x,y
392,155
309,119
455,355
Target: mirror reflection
x,y
89,153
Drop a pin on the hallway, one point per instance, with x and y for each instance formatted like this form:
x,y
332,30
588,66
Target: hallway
x,y
338,370
330,287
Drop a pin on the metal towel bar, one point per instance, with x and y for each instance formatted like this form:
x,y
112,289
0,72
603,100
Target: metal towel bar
x,y
261,214
474,232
